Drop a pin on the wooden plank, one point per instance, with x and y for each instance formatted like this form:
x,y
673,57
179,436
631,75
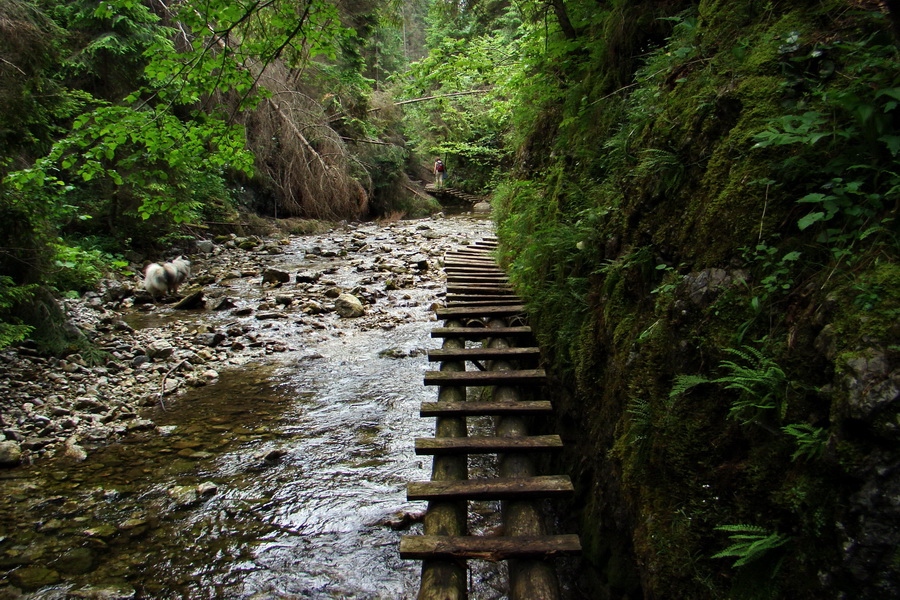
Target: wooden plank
x,y
489,279
480,311
523,488
424,547
474,409
516,353
480,333
470,262
460,300
483,378
487,445
480,289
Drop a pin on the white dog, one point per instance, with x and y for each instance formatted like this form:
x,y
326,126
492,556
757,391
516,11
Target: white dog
x,y
159,279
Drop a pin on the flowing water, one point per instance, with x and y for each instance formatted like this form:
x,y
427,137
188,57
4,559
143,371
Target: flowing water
x,y
284,479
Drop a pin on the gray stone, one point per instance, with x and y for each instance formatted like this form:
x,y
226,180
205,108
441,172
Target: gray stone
x,y
210,339
482,208
160,350
307,277
10,454
349,306
275,276
205,246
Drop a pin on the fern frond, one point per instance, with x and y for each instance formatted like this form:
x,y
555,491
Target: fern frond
x,y
683,383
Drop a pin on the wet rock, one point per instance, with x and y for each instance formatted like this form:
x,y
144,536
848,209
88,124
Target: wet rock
x,y
269,315
103,593
314,308
10,454
160,350
33,578
482,208
210,339
139,360
223,303
104,530
307,277
207,488
275,276
191,301
73,451
349,306
420,262
141,425
184,495
76,561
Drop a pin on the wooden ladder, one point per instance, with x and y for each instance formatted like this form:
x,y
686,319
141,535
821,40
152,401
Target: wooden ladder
x,y
482,307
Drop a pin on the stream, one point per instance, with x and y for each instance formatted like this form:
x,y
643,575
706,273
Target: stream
x,y
284,478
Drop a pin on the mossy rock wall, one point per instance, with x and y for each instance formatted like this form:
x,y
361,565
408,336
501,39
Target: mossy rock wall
x,y
718,307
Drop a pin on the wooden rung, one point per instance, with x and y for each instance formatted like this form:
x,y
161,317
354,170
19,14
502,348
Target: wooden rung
x,y
517,488
496,290
488,279
480,311
482,378
475,409
424,547
447,354
470,262
480,333
487,445
486,270
485,300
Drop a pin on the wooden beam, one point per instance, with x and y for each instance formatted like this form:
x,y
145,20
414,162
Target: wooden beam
x,y
480,311
487,445
472,409
441,354
547,486
483,378
479,333
422,547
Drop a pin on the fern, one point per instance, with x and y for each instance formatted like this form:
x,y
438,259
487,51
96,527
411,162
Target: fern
x,y
761,385
810,440
685,382
749,543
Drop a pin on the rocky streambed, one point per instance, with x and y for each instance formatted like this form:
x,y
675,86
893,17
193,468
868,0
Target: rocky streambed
x,y
255,445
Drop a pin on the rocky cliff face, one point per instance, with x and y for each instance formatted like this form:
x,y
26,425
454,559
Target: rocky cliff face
x,y
710,259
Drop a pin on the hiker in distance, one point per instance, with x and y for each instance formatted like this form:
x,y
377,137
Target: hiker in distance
x,y
438,171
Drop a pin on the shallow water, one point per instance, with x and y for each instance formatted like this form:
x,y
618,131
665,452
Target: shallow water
x,y
281,480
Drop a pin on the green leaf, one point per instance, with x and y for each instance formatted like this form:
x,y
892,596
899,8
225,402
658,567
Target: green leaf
x,y
810,219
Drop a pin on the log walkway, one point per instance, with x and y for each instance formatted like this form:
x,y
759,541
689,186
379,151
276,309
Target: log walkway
x,y
482,309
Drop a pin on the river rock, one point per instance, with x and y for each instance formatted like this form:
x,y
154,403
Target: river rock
x,y
275,276
76,561
73,451
184,495
160,350
205,246
307,277
349,306
482,208
223,303
191,301
210,339
33,578
10,454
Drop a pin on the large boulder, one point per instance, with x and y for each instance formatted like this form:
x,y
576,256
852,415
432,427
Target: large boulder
x,y
10,454
349,306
